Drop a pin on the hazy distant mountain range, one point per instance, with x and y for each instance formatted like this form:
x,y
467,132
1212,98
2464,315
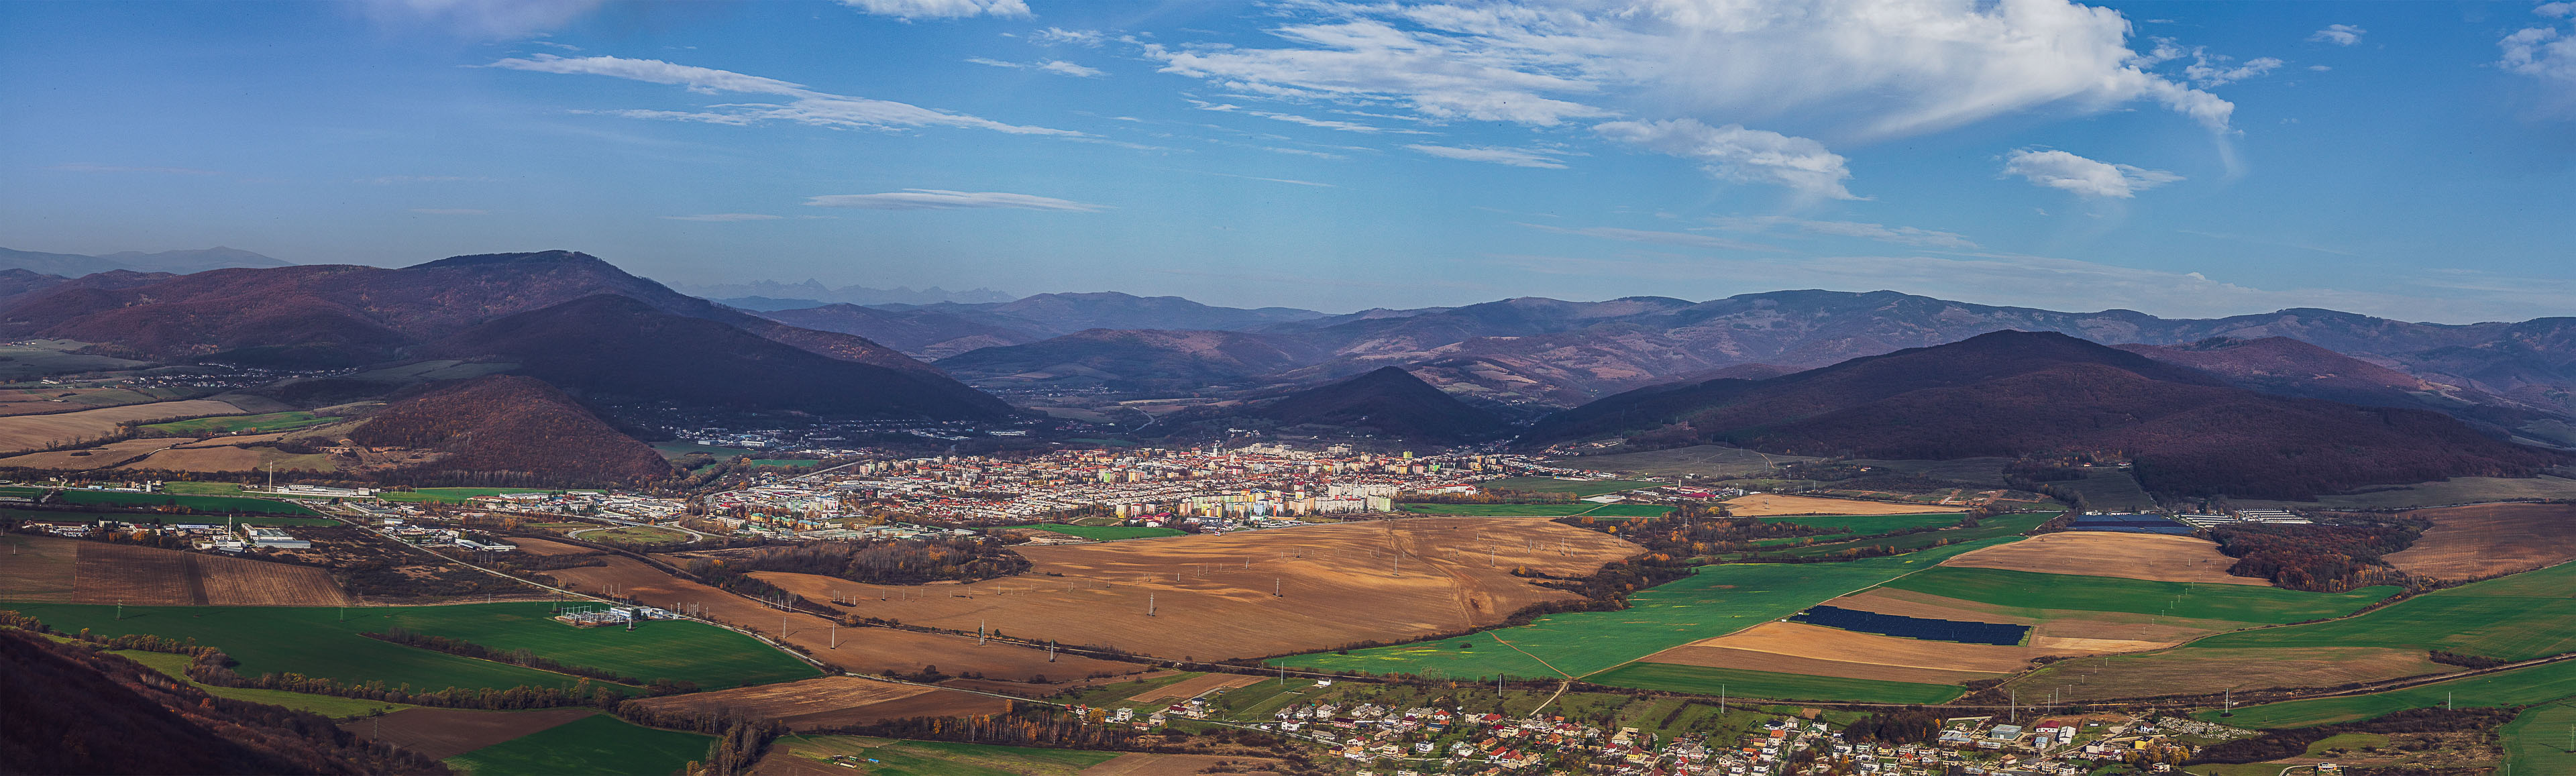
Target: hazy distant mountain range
x,y
773,295
72,265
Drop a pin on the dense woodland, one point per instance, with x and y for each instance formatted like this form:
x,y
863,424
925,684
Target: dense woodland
x,y
880,561
2320,558
508,430
2291,742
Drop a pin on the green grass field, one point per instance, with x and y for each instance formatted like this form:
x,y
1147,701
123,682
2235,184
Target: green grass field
x,y
1629,510
1499,510
176,667
209,504
154,517
637,534
2235,603
597,744
203,488
2542,739
314,642
274,421
2511,688
450,495
1580,488
1718,600
1105,533
1993,527
2520,617
1871,524
886,757
1765,684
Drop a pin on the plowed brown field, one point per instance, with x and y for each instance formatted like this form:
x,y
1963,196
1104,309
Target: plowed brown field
x,y
1212,595
2490,539
111,573
29,432
87,458
1753,660
1822,643
445,733
38,568
2195,671
832,701
1771,504
861,650
2106,554
1195,686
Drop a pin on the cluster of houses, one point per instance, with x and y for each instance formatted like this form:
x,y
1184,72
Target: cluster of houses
x,y
220,537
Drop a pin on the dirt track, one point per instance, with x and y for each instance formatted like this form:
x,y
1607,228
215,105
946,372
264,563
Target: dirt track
x,y
2153,557
2489,539
1212,595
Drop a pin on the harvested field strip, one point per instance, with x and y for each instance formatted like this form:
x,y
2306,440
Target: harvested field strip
x,y
2154,557
820,702
1715,601
2487,539
1750,660
1629,510
2538,740
1872,524
83,459
445,733
38,568
596,744
1580,488
1767,684
110,573
1103,533
2193,671
2520,686
2241,603
1194,687
2520,617
1789,638
28,432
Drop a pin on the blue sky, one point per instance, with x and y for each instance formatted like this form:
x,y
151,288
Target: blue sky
x,y
2415,160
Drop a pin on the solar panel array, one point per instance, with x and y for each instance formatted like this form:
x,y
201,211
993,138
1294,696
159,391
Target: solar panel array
x,y
1965,632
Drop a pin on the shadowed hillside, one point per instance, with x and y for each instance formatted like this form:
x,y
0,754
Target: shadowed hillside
x,y
925,333
2017,393
1390,402
512,424
1177,361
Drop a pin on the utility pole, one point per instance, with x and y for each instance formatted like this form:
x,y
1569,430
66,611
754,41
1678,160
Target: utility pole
x,y
836,635
1149,604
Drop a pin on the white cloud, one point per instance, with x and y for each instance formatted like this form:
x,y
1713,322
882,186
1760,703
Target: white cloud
x,y
2338,34
2560,10
1734,153
2320,68
1658,238
1516,157
725,217
1345,126
1058,67
1863,68
909,10
2211,70
806,106
1901,235
2084,177
942,199
1057,35
450,211
2540,52
483,18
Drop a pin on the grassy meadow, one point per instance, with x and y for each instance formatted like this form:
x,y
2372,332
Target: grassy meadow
x,y
1742,683
176,667
2520,617
450,495
2235,603
274,421
195,503
2536,684
2543,738
938,758
597,744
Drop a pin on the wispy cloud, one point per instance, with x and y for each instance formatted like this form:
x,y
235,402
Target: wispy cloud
x,y
805,106
1734,153
1053,36
1685,239
2084,177
2338,34
909,10
1056,66
943,199
1516,157
1901,235
87,167
1345,126
450,211
724,217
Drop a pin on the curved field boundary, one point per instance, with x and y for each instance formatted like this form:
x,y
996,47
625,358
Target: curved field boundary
x,y
2513,687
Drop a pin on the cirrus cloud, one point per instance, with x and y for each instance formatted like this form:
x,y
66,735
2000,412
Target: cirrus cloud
x,y
1516,157
804,106
1734,153
909,10
943,199
2338,34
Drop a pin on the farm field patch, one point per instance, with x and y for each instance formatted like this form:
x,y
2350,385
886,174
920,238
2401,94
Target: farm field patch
x,y
308,641
1194,687
1499,510
831,702
2152,557
860,650
1773,504
449,495
29,432
38,568
2520,686
202,504
2082,631
175,666
1999,526
2520,617
2173,672
596,744
1716,600
1871,524
806,755
1105,533
1775,662
1742,683
1789,638
2537,741
1696,460
217,459
1580,488
87,458
107,573
2457,490
273,421
2239,603
1629,510
1212,596
445,733
2488,539
678,650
